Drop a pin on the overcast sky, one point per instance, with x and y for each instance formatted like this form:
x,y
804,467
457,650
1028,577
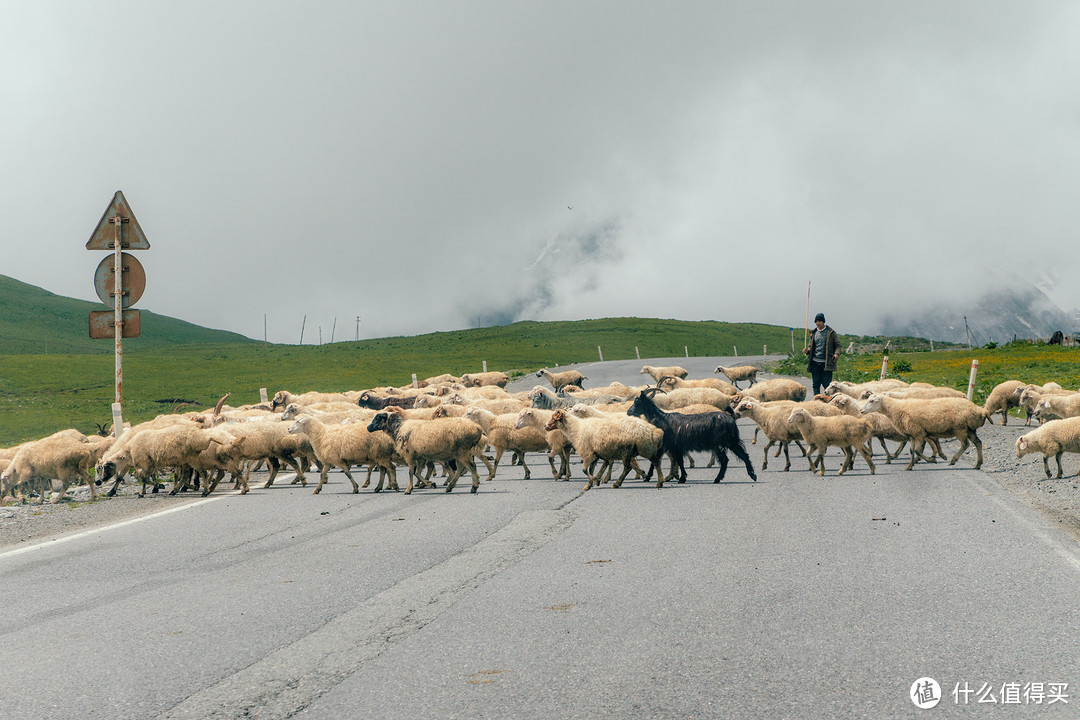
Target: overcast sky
x,y
437,165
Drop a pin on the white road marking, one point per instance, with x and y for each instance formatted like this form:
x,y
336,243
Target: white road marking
x,y
123,523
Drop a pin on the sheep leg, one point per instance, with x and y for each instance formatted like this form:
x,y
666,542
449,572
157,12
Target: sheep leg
x,y
754,440
625,471
864,450
765,456
296,468
391,471
115,485
1046,466
322,480
654,462
524,466
740,453
554,470
456,468
475,476
849,460
641,473
479,454
593,479
962,437
408,490
722,453
979,450
274,467
180,483
495,465
355,487
211,484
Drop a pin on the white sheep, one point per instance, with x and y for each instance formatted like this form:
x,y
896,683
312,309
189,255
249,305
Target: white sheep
x,y
919,393
738,373
270,442
616,389
775,389
1004,397
51,463
883,429
1031,395
1053,438
283,397
856,390
558,442
1053,406
842,431
658,373
343,446
451,441
772,421
438,380
599,438
559,380
681,397
671,383
919,420
154,449
503,435
482,379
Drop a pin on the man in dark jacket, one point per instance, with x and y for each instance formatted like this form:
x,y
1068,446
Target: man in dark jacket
x,y
822,354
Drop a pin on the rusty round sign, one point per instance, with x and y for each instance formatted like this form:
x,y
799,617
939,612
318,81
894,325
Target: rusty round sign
x,y
133,277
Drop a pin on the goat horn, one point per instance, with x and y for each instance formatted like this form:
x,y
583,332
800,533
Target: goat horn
x,y
649,392
217,408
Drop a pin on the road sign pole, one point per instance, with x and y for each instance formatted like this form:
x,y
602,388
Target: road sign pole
x,y
118,308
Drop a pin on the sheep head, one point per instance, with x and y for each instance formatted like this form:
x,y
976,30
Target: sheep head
x,y
872,404
798,415
524,419
558,418
1022,446
743,407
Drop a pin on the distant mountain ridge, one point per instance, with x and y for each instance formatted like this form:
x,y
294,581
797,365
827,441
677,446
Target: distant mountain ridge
x,y
34,321
1019,310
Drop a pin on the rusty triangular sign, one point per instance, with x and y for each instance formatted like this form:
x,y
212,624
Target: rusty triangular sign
x,y
131,235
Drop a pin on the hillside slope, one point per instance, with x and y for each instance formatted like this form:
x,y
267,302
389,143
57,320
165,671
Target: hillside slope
x,y
36,321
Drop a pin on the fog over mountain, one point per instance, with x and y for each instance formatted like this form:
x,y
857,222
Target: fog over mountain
x,y
370,168
1010,309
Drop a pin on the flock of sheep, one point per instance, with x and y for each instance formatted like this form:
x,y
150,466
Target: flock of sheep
x,y
455,422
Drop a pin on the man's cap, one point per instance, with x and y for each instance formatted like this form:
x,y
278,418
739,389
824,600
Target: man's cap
x,y
819,316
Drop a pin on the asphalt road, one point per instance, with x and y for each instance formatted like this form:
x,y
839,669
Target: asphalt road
x,y
793,597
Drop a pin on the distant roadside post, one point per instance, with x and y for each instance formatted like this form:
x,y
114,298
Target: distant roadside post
x,y
119,281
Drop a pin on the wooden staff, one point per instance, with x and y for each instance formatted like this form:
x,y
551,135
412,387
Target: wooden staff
x,y
806,327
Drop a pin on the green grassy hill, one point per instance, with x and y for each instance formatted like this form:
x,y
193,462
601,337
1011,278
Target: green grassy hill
x,y
175,364
33,320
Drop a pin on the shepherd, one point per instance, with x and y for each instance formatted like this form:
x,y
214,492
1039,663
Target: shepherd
x,y
822,351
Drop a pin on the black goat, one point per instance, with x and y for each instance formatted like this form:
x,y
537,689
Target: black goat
x,y
715,432
370,400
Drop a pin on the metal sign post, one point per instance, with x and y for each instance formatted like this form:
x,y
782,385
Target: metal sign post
x,y
126,289
118,310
